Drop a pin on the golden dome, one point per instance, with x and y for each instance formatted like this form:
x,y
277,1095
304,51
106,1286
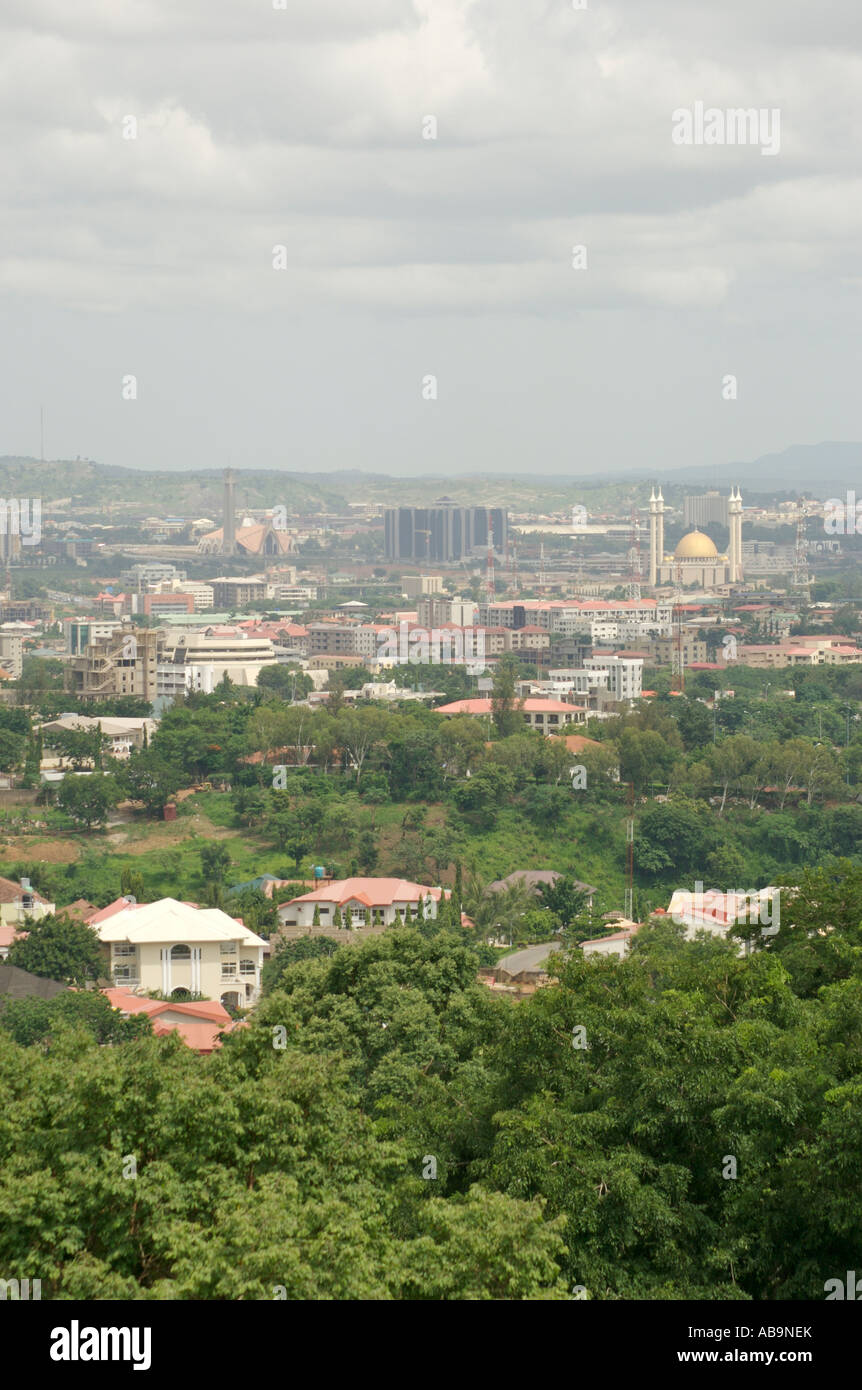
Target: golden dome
x,y
695,546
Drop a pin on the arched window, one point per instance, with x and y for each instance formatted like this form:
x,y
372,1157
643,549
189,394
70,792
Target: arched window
x,y
180,953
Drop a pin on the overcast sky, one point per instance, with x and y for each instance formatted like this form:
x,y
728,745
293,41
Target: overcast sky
x,y
407,257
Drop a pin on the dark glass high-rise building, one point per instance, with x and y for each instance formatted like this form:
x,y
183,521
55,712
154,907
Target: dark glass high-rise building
x,y
444,531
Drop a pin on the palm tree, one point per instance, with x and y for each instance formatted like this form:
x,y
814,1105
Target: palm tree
x,y
497,911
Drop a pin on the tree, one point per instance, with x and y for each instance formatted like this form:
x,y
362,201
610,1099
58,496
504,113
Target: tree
x,y
481,799
290,953
12,746
673,834
58,948
288,681
367,851
150,778
358,731
505,705
30,1021
132,884
297,846
564,899
646,758
215,861
87,800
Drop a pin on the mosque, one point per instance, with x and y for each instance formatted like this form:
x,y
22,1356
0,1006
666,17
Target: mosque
x,y
696,560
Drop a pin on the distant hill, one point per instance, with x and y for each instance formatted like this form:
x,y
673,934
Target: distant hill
x,y
821,470
124,490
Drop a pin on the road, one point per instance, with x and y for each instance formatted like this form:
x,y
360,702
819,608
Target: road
x,y
528,959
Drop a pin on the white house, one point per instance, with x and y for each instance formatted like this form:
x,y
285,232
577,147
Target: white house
x,y
616,944
363,902
177,948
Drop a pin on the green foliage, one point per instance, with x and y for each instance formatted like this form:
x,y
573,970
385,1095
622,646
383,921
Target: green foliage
x,y
88,800
31,1021
215,861
58,948
563,898
288,681
290,952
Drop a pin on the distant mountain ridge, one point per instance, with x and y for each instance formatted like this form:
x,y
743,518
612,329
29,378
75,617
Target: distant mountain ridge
x,y
822,470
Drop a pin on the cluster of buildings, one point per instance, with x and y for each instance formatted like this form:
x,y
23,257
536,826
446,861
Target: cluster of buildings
x,y
157,632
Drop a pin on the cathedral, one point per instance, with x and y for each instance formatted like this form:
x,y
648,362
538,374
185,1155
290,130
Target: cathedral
x,y
696,560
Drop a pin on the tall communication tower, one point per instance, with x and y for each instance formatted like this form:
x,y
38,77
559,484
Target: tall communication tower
x,y
543,578
800,568
635,571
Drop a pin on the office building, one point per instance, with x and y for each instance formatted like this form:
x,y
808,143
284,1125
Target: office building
x,y
444,532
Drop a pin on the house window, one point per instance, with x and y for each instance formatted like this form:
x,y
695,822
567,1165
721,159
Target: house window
x,y
123,948
123,972
180,953
247,967
228,948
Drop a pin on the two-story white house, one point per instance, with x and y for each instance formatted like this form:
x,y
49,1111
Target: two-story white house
x,y
180,950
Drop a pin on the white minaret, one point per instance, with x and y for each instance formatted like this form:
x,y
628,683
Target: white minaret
x,y
660,501
734,522
656,535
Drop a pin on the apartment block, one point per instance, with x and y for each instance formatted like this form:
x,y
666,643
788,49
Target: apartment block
x,y
145,576
419,585
238,591
436,611
331,638
625,675
124,663
663,650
